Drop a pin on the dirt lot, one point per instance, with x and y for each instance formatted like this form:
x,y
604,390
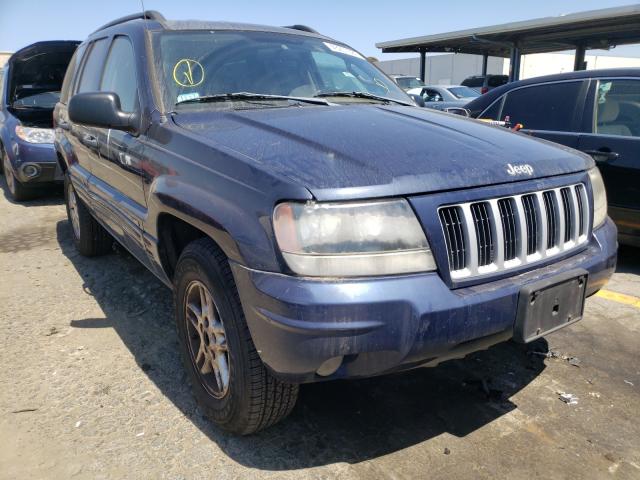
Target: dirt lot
x,y
91,387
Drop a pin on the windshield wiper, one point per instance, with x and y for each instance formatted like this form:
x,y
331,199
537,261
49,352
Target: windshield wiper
x,y
223,97
368,95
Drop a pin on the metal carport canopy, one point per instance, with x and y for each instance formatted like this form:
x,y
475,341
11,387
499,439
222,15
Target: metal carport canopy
x,y
594,29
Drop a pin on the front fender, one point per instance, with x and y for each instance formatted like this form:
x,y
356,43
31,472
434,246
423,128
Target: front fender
x,y
238,220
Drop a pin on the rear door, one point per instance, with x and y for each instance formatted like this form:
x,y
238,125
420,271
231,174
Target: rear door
x,y
85,141
612,138
552,111
116,183
64,138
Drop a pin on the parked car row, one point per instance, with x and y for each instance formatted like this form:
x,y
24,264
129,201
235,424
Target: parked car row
x,y
595,111
441,97
312,222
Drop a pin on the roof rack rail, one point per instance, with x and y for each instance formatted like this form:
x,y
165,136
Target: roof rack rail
x,y
302,28
146,15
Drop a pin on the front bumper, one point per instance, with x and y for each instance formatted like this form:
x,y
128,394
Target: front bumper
x,y
384,324
42,156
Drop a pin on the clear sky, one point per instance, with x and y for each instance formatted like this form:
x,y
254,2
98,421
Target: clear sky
x,y
358,23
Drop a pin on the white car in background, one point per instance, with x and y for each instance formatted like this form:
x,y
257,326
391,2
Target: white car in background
x,y
440,97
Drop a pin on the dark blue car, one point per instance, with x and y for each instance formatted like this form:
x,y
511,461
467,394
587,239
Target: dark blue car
x,y
312,222
29,90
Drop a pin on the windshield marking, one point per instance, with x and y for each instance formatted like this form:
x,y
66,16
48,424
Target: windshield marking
x,y
184,70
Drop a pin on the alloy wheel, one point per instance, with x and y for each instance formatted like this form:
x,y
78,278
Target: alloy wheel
x,y
73,211
207,339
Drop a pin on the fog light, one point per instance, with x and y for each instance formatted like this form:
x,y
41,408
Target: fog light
x,y
330,366
30,171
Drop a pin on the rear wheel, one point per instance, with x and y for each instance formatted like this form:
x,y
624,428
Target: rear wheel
x,y
89,237
230,382
17,191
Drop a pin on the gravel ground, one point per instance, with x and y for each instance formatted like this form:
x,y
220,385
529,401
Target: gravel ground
x,y
91,387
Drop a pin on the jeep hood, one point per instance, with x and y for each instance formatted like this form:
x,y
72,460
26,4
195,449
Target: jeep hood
x,y
368,151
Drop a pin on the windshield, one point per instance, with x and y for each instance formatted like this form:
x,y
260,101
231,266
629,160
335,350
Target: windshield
x,y
463,92
196,64
39,100
408,83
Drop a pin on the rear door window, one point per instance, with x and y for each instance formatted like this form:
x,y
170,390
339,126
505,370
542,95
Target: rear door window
x,y
433,96
497,80
549,106
474,82
617,108
120,74
72,68
92,69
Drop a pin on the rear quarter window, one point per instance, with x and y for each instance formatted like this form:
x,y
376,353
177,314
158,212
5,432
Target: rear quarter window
x,y
72,69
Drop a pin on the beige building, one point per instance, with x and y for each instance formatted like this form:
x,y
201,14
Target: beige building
x,y
452,68
4,56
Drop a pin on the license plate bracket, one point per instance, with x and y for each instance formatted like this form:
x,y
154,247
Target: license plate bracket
x,y
550,304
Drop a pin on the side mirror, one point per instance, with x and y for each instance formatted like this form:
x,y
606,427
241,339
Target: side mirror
x,y
101,109
418,99
458,111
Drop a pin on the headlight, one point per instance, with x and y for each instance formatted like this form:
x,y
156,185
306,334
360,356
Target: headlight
x,y
35,135
351,239
599,197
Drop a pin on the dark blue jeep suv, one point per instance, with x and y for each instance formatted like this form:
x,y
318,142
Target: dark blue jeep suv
x,y
312,222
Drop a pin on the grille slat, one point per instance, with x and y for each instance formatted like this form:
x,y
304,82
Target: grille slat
x,y
508,219
484,238
552,218
565,193
581,211
531,217
491,235
454,236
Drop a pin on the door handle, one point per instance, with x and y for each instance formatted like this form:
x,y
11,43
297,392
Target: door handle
x,y
602,157
64,124
90,141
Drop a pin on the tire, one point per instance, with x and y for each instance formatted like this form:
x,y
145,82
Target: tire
x,y
17,190
252,399
89,237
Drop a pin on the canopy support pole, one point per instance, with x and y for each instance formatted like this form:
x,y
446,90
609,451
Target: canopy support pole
x,y
514,64
423,64
579,63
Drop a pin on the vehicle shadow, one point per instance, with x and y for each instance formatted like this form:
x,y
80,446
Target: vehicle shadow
x,y
628,260
48,195
341,421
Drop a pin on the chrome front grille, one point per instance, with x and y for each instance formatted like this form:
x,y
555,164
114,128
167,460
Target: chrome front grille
x,y
489,236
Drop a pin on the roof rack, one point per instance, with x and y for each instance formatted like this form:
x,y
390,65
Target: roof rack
x,y
146,15
302,28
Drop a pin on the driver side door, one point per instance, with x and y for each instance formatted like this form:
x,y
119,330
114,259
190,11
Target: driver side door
x,y
117,186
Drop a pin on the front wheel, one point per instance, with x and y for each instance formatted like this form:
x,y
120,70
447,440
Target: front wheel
x,y
89,237
230,382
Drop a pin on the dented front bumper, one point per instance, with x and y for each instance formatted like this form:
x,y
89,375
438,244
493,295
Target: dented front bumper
x,y
378,325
